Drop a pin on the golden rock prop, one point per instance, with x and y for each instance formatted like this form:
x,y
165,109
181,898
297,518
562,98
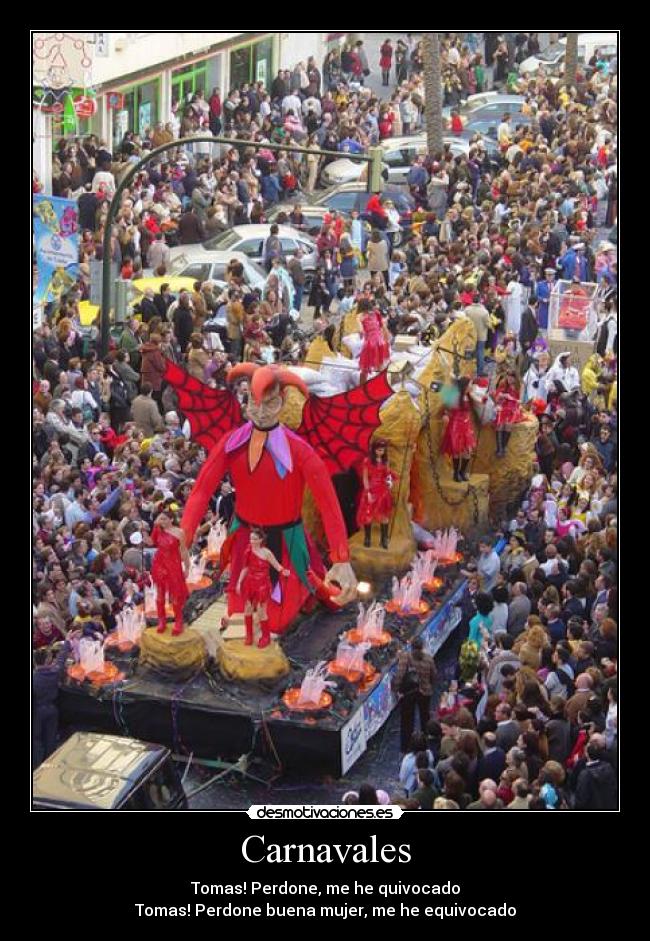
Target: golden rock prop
x,y
239,662
510,475
181,655
400,426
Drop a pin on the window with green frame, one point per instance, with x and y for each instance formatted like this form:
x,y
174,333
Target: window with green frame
x,y
252,63
141,102
186,81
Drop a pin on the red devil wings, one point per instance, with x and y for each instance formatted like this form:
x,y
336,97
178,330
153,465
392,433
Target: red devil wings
x,y
338,427
211,413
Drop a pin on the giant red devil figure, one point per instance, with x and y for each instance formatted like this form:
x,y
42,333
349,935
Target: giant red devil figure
x,y
270,465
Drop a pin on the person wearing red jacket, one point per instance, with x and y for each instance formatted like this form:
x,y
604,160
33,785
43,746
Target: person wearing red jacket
x,y
377,213
386,125
385,62
215,111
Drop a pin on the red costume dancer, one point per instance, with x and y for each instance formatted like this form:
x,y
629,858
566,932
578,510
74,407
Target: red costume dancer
x,y
167,571
377,499
459,440
375,352
254,585
508,409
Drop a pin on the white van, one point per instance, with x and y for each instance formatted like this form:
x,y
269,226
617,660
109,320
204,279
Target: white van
x,y
552,59
607,43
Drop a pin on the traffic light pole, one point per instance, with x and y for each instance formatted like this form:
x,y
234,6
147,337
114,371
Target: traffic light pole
x,y
374,158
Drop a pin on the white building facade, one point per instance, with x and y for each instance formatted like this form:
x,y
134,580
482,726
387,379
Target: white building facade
x,y
137,76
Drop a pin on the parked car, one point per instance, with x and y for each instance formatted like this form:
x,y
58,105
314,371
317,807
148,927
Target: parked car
x,y
248,241
489,143
487,104
552,60
399,154
199,263
351,196
88,311
489,126
93,771
344,199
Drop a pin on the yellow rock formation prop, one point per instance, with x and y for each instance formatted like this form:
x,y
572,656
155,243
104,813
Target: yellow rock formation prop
x,y
239,662
509,475
400,426
318,348
414,432
182,655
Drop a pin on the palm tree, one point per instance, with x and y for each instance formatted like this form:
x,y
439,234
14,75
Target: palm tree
x,y
432,92
571,60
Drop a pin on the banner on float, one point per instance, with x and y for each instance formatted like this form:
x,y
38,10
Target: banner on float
x,y
56,239
445,621
379,705
353,741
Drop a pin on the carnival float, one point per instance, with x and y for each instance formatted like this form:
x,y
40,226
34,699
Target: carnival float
x,y
297,613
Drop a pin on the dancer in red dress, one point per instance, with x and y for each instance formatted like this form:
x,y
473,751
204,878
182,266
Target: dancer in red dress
x,y
459,440
375,352
254,585
169,570
508,410
377,499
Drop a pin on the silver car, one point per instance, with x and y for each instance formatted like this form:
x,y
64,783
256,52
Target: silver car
x,y
248,240
486,100
399,155
201,264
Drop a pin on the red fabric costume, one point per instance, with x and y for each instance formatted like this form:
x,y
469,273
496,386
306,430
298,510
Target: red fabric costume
x,y
334,435
574,309
385,56
270,496
459,437
375,352
508,409
256,587
167,574
379,508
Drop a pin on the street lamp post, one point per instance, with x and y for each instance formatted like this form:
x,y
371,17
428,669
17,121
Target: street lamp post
x,y
373,175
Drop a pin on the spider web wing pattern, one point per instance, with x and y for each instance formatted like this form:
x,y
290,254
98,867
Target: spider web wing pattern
x,y
339,427
212,413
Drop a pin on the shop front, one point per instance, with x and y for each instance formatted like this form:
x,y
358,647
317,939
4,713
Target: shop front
x,y
140,109
195,77
253,62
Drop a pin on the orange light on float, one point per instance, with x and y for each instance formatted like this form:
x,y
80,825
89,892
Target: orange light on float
x,y
394,608
451,560
434,584
109,674
291,700
353,676
356,636
199,585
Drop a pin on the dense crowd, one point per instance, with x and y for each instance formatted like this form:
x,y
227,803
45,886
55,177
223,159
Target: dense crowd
x,y
530,718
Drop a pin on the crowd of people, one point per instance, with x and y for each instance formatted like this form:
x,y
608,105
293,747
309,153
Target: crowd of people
x,y
530,718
